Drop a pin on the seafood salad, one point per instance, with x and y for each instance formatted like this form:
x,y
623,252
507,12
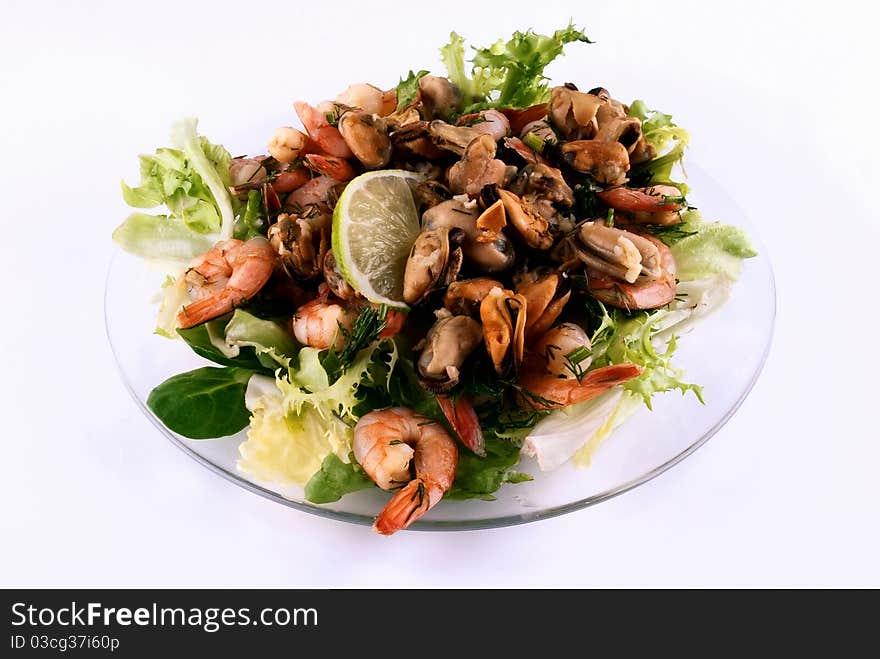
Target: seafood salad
x,y
414,284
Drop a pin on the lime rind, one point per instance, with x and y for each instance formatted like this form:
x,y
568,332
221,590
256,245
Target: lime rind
x,y
375,224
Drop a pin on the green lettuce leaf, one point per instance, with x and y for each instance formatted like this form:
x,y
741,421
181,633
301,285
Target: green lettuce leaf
x,y
252,222
714,248
211,163
172,297
705,249
300,417
667,141
161,237
286,447
562,433
408,87
478,478
272,343
241,339
452,55
335,479
628,405
191,181
507,74
634,339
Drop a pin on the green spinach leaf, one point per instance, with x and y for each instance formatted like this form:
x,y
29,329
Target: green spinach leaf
x,y
335,479
199,339
478,478
204,403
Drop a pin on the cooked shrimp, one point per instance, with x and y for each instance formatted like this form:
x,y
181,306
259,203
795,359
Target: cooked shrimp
x,y
464,421
650,295
653,199
370,99
550,378
319,323
327,137
286,144
487,122
336,168
225,277
385,443
246,172
290,180
550,353
657,204
545,392
519,119
316,191
394,320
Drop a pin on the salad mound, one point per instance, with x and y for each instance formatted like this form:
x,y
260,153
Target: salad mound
x,y
424,284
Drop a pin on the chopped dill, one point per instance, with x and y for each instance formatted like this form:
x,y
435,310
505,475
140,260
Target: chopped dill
x,y
670,234
574,359
366,329
586,203
609,218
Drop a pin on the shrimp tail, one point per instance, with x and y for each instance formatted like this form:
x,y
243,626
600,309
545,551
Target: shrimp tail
x,y
336,168
409,504
209,308
290,180
326,137
464,421
546,392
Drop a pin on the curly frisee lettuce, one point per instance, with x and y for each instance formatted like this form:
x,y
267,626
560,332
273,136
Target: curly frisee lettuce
x,y
507,74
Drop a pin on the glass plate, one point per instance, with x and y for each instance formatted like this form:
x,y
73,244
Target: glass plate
x,y
724,354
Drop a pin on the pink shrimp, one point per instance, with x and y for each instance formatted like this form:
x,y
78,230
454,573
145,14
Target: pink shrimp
x,y
549,379
290,180
650,199
326,137
385,443
526,152
369,98
225,277
319,323
545,392
464,421
488,122
336,168
394,320
650,295
520,118
316,191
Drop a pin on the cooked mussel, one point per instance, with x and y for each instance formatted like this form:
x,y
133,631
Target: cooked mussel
x,y
448,343
503,314
433,263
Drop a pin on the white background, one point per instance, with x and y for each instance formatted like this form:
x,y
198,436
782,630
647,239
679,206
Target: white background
x,y
781,100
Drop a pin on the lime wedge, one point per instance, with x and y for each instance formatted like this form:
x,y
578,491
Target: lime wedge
x,y
374,227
